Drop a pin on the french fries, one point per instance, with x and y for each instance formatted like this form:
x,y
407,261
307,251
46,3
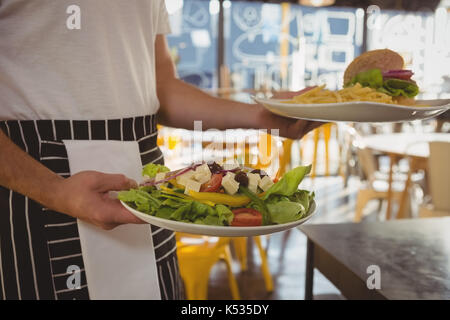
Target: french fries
x,y
353,93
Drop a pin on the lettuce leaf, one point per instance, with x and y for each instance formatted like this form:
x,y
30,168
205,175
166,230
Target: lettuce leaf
x,y
172,203
192,211
286,211
209,220
225,216
152,169
142,200
390,86
182,212
151,201
288,184
164,212
398,87
201,210
303,197
371,78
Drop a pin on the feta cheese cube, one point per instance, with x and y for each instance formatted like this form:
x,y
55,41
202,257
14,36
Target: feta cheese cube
x,y
253,178
253,187
185,176
253,181
183,180
229,166
265,183
159,176
192,185
203,169
202,174
230,175
202,178
230,185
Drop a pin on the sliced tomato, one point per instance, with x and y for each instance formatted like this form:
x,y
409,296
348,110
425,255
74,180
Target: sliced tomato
x,y
213,185
246,217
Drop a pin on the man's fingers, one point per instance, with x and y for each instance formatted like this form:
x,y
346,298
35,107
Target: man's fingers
x,y
313,125
115,182
124,216
113,213
130,218
302,127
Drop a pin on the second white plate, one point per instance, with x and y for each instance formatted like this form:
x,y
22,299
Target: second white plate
x,y
218,231
358,111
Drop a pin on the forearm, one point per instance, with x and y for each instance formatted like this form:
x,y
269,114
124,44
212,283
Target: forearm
x,y
23,174
182,104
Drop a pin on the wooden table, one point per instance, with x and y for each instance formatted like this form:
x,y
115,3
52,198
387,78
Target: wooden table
x,y
401,145
413,257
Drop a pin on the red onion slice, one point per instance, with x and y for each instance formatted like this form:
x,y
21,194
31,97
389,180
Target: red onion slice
x,y
173,176
398,74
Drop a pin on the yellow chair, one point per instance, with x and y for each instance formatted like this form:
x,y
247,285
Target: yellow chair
x,y
376,186
265,144
327,136
167,137
240,247
326,131
160,139
196,256
284,158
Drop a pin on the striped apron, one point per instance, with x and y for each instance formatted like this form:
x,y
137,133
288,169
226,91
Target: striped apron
x,y
38,245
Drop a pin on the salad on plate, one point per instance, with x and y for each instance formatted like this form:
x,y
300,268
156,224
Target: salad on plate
x,y
216,195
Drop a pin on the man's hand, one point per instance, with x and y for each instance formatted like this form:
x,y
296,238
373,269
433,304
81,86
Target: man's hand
x,y
289,128
85,196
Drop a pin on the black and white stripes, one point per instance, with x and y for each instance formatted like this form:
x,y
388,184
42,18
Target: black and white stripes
x,y
38,245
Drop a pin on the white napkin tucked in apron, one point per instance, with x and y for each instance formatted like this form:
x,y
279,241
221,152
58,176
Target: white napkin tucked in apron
x,y
119,264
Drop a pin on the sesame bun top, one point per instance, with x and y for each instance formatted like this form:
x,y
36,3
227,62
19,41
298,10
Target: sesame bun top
x,y
383,59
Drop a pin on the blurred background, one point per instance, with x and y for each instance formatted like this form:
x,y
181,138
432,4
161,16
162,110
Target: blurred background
x,y
255,45
236,49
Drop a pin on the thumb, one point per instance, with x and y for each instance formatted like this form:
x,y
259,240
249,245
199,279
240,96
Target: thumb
x,y
115,182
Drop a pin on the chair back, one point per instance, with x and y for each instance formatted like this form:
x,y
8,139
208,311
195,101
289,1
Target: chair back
x,y
367,163
439,175
366,160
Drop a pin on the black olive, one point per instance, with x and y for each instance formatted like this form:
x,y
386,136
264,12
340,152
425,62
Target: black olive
x,y
214,167
242,178
260,172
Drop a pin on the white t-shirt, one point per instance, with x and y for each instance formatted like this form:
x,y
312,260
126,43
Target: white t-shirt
x,y
82,59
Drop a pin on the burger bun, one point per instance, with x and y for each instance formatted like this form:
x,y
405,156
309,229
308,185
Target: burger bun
x,y
383,59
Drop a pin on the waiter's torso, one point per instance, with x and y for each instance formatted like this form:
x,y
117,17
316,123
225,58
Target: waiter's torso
x,y
84,59
82,70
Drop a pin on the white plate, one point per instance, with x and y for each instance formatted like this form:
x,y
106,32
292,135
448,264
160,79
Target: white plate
x,y
358,111
218,231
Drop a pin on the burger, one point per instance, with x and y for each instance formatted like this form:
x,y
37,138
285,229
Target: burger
x,y
383,71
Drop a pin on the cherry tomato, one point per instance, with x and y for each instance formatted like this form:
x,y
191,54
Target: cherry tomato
x,y
213,185
246,217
